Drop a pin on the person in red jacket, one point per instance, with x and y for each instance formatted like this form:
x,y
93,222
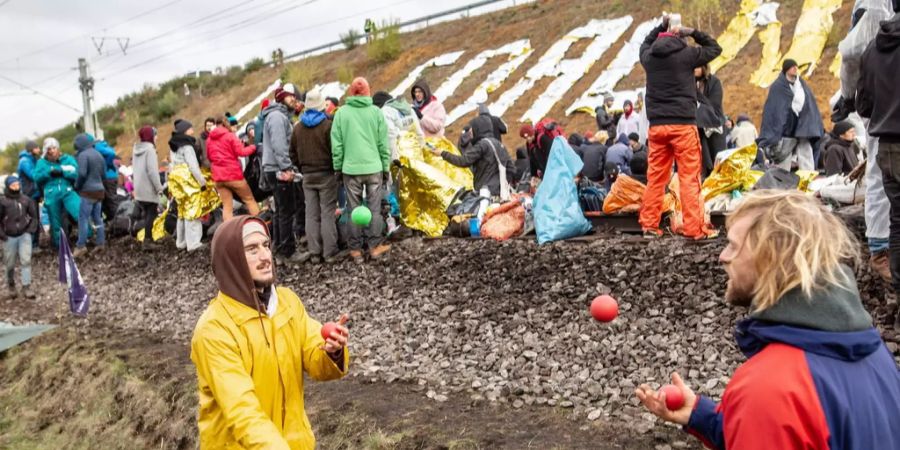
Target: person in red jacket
x,y
223,149
818,374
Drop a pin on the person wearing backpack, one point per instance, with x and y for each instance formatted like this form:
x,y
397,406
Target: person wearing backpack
x,y
486,156
672,110
540,140
224,150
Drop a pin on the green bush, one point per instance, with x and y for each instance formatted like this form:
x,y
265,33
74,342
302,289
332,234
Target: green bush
x,y
345,74
386,45
254,64
166,106
350,39
301,73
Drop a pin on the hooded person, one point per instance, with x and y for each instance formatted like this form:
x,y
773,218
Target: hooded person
x,y
55,174
638,163
499,127
428,109
145,175
278,171
710,116
110,177
620,154
593,154
672,111
839,155
188,186
878,98
362,157
224,150
89,185
18,222
28,159
486,156
630,121
400,119
791,122
254,346
311,152
522,164
818,374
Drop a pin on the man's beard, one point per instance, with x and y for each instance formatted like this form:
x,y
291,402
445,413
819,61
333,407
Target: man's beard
x,y
738,296
266,282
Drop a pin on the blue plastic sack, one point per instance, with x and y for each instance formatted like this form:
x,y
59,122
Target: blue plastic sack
x,y
557,211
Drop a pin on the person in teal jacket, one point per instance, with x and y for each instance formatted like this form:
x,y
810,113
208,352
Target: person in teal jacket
x,y
55,176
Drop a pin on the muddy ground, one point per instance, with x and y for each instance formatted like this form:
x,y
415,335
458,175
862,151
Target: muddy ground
x,y
456,344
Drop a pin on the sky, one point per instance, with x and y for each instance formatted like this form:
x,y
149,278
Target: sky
x,y
42,40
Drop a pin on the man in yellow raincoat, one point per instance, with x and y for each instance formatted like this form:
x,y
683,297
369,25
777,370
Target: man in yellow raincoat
x,y
252,345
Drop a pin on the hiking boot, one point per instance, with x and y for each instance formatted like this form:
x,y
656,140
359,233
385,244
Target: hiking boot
x,y
336,258
708,235
11,293
357,256
881,264
79,252
29,294
299,257
652,233
380,252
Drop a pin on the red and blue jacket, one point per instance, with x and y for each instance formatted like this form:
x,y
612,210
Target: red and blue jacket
x,y
805,388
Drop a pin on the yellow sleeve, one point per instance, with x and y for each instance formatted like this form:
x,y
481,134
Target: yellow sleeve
x,y
218,361
316,363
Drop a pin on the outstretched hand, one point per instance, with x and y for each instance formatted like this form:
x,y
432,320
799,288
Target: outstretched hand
x,y
655,401
339,337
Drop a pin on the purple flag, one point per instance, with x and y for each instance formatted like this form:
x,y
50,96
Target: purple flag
x,y
79,300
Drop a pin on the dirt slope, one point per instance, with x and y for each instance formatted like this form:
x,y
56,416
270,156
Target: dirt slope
x,y
544,23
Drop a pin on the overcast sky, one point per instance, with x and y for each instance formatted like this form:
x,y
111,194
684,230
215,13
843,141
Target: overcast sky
x,y
41,41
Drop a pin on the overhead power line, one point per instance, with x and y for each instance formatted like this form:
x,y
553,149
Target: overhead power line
x,y
37,92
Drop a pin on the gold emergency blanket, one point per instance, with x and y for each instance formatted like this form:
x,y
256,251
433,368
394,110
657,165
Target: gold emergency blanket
x,y
806,177
426,184
732,173
739,32
159,227
193,203
810,36
771,55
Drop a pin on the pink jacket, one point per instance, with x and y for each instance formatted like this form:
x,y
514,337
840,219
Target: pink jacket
x,y
223,149
434,116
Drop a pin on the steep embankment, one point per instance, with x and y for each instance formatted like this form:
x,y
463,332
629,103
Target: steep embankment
x,y
543,23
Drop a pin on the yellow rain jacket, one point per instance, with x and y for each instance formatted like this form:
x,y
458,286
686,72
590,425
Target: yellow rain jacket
x,y
251,394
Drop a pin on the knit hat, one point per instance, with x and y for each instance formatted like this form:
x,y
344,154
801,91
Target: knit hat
x,y
526,130
11,179
231,119
359,87
841,127
315,100
588,135
146,133
82,141
253,226
264,104
49,143
742,118
31,145
380,98
181,126
608,98
284,91
628,103
634,137
787,64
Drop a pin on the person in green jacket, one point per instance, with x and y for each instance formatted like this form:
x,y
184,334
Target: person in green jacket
x,y
362,157
55,176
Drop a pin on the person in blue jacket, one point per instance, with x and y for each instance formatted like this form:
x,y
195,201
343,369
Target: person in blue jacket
x,y
55,175
89,185
818,374
27,160
110,178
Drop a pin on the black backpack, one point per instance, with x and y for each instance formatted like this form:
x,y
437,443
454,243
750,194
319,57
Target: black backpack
x,y
253,173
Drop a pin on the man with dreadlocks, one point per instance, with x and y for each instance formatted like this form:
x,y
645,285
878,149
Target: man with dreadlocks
x,y
253,345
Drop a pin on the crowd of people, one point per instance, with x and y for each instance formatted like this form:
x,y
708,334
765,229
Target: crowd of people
x,y
807,322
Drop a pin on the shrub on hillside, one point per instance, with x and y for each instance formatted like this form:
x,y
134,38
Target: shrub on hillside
x,y
386,45
166,106
345,74
350,39
301,73
254,64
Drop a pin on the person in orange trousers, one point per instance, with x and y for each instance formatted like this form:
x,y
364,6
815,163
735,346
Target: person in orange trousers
x,y
672,111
